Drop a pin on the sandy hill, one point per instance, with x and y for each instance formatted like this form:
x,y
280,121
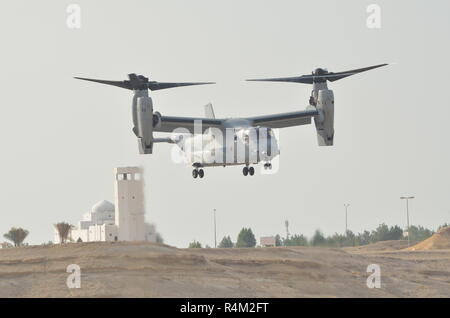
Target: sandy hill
x,y
382,246
123,269
439,240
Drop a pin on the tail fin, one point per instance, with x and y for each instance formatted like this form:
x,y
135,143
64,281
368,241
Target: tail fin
x,y
209,111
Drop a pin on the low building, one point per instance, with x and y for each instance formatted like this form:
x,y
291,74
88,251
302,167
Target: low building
x,y
6,245
268,241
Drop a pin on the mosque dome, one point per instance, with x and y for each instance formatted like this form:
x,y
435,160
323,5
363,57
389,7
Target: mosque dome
x,y
103,206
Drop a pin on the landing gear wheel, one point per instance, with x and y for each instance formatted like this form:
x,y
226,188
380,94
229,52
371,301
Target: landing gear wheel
x,y
201,173
245,171
195,173
251,171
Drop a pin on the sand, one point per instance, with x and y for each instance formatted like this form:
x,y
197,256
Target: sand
x,y
155,270
439,240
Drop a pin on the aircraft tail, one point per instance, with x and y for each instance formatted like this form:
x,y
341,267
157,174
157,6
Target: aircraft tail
x,y
209,111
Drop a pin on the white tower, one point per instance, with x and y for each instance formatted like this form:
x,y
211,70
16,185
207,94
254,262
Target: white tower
x,y
129,201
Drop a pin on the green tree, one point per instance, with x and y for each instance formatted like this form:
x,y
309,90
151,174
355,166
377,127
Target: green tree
x,y
363,238
419,233
278,241
318,239
195,244
16,235
381,233
246,238
336,240
159,238
386,233
341,240
296,240
350,239
395,233
226,242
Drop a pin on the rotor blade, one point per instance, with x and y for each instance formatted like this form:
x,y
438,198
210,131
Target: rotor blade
x,y
337,76
153,86
135,82
121,84
305,79
309,79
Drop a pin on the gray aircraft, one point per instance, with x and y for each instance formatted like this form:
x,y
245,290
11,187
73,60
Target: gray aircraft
x,y
211,141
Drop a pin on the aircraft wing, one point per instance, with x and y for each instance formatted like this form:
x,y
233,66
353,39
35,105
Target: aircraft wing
x,y
170,123
283,120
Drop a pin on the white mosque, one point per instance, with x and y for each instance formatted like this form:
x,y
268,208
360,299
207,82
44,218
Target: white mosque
x,y
122,221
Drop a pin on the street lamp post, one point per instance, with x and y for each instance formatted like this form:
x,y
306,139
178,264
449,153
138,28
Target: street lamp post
x,y
215,237
407,214
346,224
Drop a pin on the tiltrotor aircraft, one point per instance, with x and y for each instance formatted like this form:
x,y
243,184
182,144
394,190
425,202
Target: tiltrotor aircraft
x,y
211,141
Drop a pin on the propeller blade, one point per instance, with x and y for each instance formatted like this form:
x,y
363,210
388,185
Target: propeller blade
x,y
337,76
319,75
122,84
305,79
154,86
139,82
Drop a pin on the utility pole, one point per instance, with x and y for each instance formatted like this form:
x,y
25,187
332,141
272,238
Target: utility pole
x,y
407,214
346,205
215,237
286,223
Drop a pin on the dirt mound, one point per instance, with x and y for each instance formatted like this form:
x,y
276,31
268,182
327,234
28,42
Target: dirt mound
x,y
439,240
382,246
122,269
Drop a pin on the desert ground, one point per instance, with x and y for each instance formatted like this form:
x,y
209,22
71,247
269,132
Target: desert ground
x,y
123,269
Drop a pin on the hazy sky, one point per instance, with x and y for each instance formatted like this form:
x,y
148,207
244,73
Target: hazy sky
x,y
61,138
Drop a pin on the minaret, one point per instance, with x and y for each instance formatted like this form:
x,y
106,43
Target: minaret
x,y
129,214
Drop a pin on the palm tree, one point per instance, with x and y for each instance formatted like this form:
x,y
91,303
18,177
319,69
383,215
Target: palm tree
x,y
16,235
63,229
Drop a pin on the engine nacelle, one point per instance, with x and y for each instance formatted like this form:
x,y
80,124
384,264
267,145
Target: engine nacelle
x,y
325,120
144,121
156,120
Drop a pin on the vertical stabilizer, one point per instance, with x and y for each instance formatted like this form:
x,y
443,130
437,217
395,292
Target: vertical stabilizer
x,y
209,111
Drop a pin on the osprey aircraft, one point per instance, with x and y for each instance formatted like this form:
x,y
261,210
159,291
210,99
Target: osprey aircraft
x,y
210,141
